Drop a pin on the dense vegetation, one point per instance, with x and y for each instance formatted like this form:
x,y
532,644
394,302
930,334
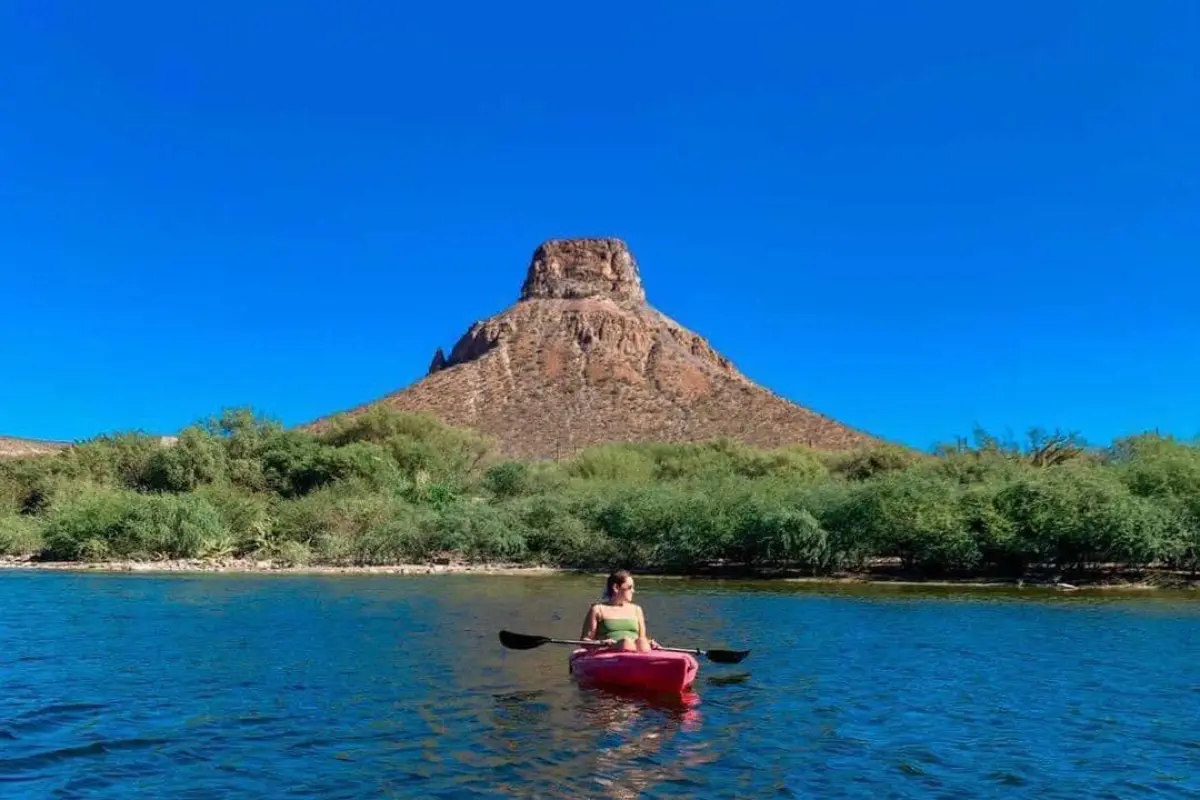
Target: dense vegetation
x,y
391,488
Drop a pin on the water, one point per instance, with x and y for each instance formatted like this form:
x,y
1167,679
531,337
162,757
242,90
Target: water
x,y
382,686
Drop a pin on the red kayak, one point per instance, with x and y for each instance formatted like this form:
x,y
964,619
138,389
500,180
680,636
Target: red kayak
x,y
656,671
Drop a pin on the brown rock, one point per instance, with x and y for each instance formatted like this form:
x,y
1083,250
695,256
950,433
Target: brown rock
x,y
581,359
573,269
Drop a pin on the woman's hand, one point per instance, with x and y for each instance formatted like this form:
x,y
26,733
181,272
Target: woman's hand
x,y
654,645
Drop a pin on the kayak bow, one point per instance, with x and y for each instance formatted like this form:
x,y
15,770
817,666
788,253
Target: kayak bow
x,y
658,671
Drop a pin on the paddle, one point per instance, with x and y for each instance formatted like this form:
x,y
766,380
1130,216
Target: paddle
x,y
521,641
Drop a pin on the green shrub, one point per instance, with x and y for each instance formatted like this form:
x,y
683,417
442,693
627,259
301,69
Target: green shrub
x,y
418,443
859,465
292,554
116,460
195,459
104,523
19,535
556,534
1076,516
480,532
616,463
507,479
913,515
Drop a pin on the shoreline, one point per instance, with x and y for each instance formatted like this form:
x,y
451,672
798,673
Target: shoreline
x,y
251,566
1141,581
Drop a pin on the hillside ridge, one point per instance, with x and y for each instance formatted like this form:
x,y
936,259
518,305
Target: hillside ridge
x,y
14,447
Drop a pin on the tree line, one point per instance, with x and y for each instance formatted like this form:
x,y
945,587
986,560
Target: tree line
x,y
384,487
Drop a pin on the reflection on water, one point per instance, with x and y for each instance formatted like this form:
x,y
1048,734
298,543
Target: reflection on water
x,y
391,686
612,741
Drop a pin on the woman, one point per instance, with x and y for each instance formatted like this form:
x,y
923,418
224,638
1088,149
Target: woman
x,y
616,622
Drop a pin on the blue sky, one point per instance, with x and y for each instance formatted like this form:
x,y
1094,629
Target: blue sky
x,y
914,217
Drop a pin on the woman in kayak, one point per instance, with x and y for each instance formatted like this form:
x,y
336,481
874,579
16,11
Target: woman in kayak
x,y
616,622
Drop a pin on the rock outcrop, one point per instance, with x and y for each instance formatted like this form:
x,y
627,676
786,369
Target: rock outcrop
x,y
573,269
581,359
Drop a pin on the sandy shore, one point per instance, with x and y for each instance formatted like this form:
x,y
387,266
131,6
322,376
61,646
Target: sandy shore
x,y
236,565
1144,581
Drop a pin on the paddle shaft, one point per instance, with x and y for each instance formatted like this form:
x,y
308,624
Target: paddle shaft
x,y
521,641
598,643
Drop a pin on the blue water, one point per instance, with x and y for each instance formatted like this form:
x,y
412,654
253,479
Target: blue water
x,y
390,686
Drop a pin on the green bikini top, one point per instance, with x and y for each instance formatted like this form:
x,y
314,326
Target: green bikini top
x,y
617,628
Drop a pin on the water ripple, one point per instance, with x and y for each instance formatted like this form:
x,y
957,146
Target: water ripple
x,y
255,686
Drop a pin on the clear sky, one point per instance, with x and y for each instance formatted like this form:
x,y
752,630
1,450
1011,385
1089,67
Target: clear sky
x,y
915,217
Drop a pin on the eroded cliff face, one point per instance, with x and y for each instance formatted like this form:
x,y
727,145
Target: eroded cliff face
x,y
581,358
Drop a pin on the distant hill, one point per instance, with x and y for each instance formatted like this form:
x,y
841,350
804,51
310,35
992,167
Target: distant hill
x,y
12,448
582,359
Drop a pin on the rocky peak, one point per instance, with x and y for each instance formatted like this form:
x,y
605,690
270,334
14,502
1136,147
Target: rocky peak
x,y
580,268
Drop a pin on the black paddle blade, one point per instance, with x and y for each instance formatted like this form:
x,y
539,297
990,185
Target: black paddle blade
x,y
726,656
521,641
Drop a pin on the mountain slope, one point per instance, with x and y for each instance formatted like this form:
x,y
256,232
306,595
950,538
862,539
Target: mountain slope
x,y
583,359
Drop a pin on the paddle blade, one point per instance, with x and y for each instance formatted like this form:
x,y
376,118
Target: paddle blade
x,y
726,656
521,641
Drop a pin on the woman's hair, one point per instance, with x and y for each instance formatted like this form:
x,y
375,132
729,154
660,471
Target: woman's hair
x,y
618,577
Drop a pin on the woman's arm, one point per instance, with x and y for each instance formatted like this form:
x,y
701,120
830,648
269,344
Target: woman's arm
x,y
641,615
589,624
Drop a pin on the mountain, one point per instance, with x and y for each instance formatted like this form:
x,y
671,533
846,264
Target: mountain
x,y
582,359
